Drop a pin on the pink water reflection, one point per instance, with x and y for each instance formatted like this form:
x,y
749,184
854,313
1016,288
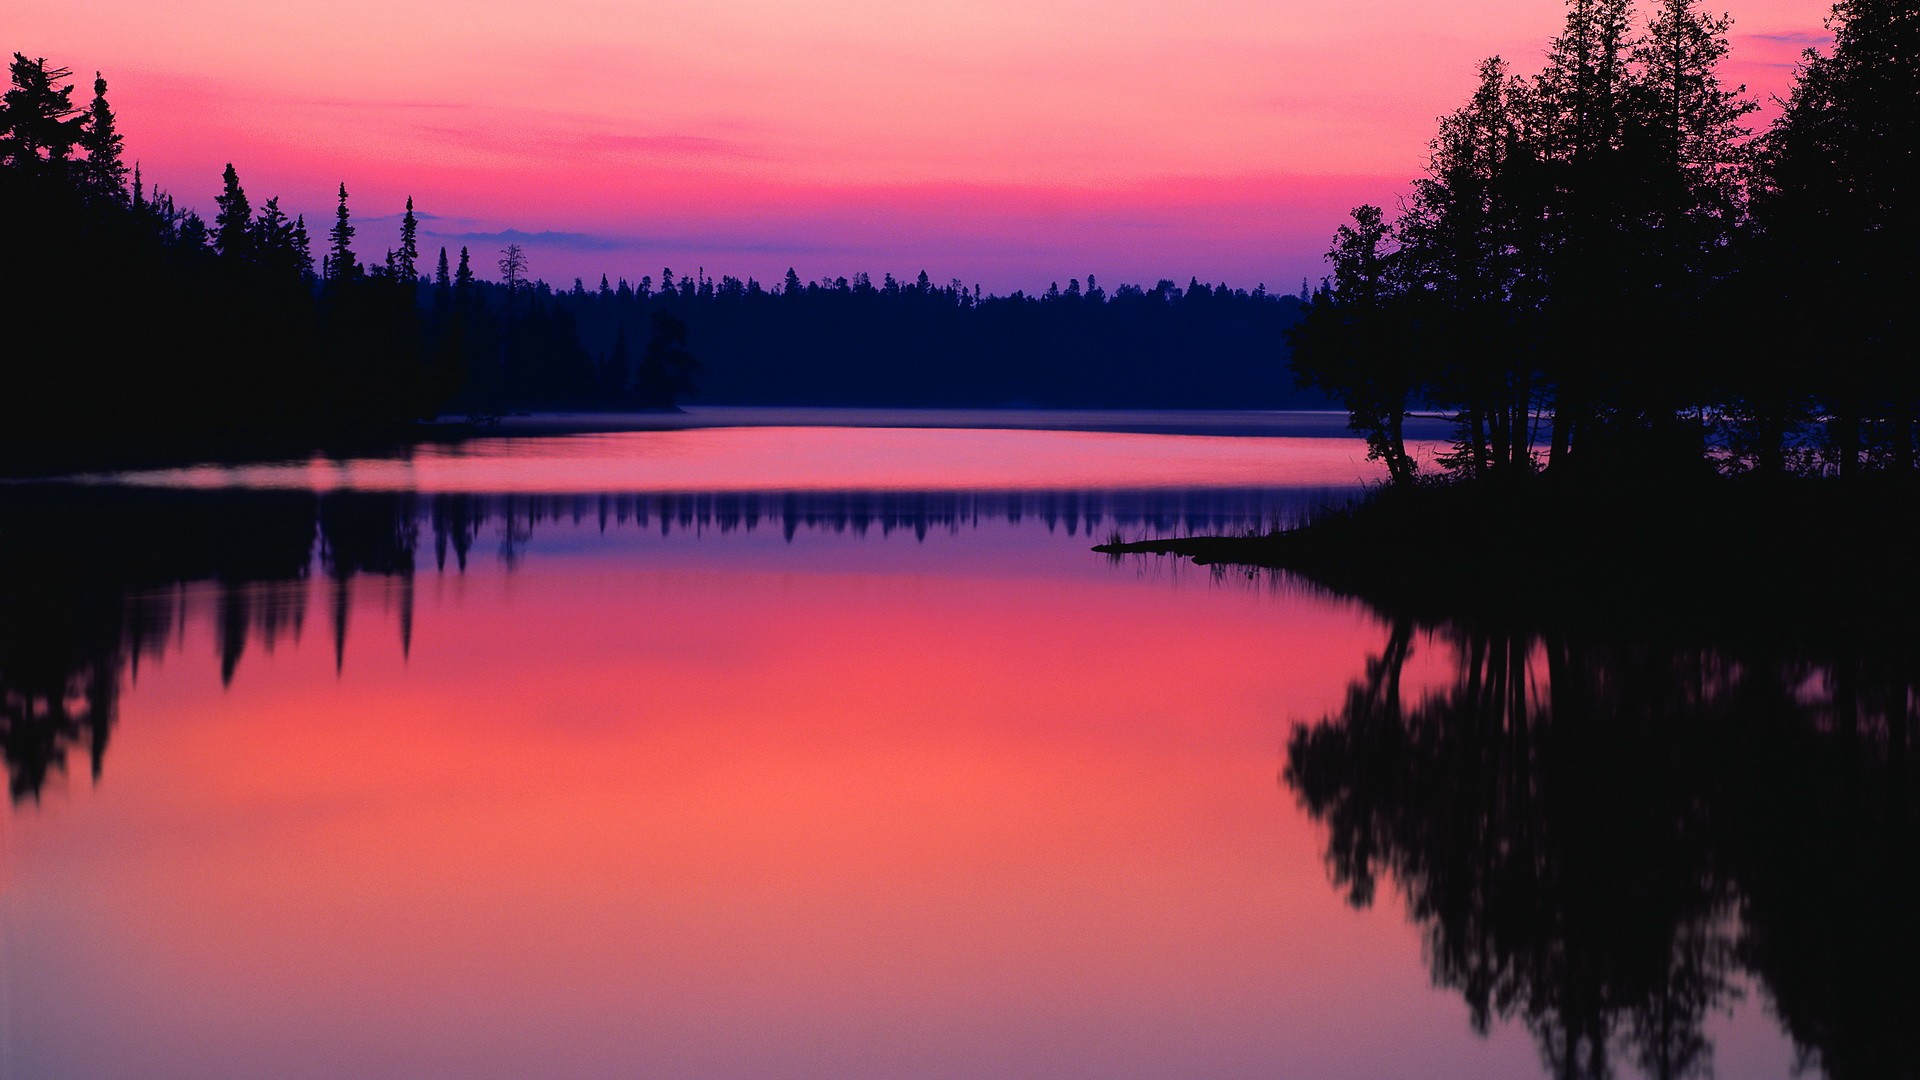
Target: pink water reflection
x,y
737,804
722,816
811,459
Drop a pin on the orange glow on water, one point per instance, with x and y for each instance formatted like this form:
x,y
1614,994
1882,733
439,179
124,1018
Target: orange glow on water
x,y
743,818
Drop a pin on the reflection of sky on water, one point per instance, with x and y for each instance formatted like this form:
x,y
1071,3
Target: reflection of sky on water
x,y
814,459
801,782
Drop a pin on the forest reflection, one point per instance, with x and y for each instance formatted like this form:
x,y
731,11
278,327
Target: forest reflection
x,y
1606,839
93,580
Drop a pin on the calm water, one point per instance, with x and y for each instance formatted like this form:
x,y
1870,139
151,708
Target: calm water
x,y
834,752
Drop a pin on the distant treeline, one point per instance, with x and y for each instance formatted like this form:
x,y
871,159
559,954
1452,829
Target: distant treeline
x,y
137,328
1603,265
863,342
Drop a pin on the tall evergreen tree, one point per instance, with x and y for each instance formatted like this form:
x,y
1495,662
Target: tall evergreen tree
x,y
233,224
1465,250
39,127
407,260
1687,152
1582,100
302,247
274,243
341,263
1688,122
104,174
1840,208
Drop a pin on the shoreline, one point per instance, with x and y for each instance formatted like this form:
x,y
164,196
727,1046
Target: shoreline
x,y
1819,556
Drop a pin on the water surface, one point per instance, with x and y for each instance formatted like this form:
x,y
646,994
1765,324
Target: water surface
x,y
833,752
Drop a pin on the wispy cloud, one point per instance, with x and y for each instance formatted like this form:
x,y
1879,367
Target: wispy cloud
x,y
557,140
419,215
575,240
1798,39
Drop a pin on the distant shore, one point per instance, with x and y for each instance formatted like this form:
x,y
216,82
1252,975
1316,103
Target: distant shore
x,y
1295,423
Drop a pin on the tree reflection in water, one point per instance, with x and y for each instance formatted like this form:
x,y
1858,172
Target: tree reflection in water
x,y
1605,837
95,579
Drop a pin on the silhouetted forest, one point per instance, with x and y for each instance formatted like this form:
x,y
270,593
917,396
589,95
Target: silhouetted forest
x,y
138,329
919,343
1605,268
1609,838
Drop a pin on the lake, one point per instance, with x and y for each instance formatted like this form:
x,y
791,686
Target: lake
x,y
803,750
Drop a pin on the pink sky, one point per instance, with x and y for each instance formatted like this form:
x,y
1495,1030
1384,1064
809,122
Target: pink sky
x,y
1005,143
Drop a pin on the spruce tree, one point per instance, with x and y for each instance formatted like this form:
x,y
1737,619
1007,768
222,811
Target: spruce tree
x,y
1582,102
232,225
1837,199
302,247
38,125
407,260
104,174
341,264
272,239
442,278
1689,123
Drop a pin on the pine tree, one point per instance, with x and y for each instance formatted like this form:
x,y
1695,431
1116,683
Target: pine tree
x,y
232,225
272,239
1581,101
442,278
193,230
302,247
406,262
463,277
1463,252
341,264
104,174
1838,201
1689,122
38,125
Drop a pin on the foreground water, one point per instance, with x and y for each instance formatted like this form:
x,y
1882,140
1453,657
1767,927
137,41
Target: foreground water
x,y
835,753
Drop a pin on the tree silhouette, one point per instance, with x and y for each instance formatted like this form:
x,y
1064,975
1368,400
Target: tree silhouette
x,y
340,262
1351,343
1574,820
104,174
39,127
513,268
407,259
232,226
